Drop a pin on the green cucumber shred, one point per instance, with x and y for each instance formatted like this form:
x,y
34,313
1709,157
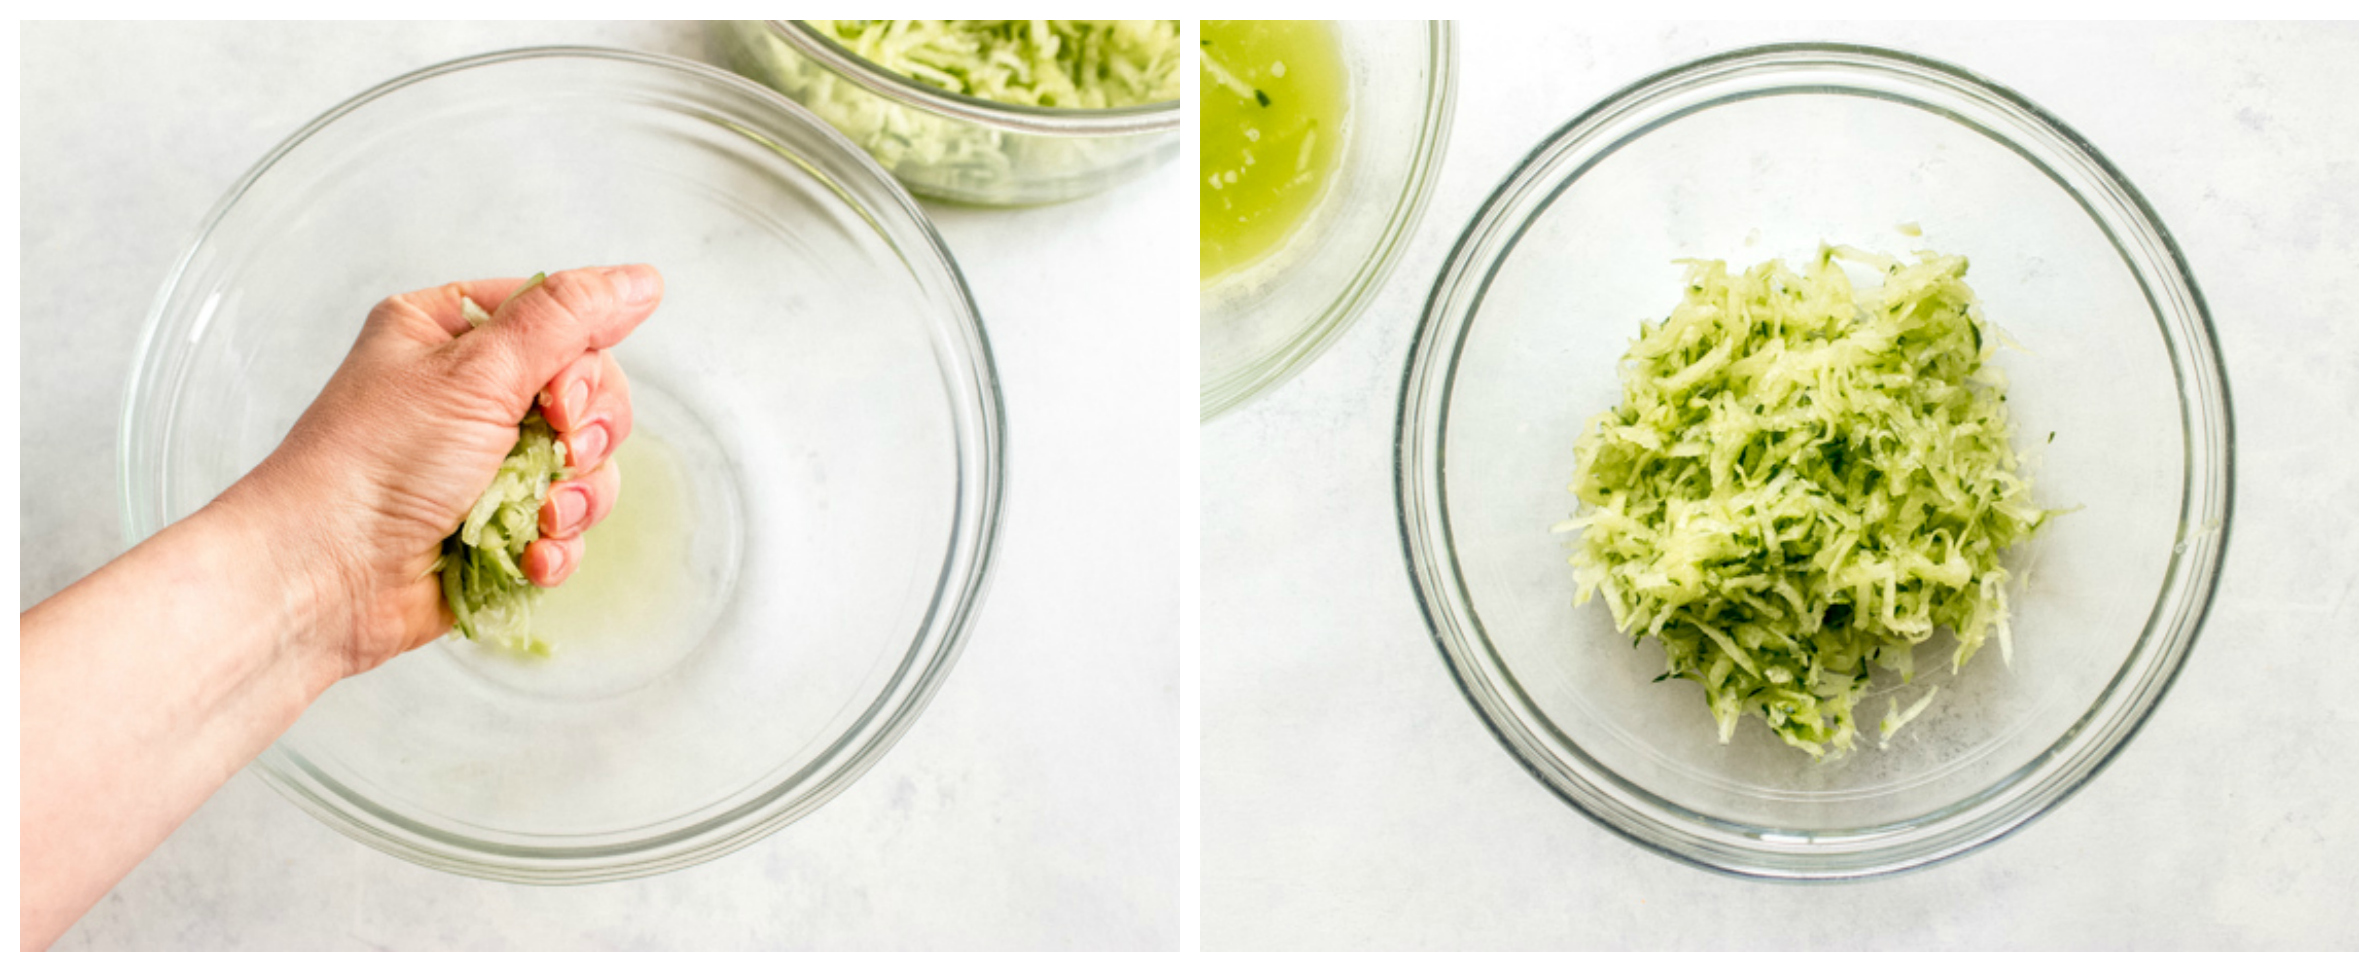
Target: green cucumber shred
x,y
478,566
1079,64
1804,480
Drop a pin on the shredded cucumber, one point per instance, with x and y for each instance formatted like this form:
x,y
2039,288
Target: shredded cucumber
x,y
1044,63
1804,480
1059,64
479,564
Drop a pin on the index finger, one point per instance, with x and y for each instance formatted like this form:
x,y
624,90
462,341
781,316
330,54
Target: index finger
x,y
442,305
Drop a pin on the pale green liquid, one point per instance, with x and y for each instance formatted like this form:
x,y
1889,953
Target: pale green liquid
x,y
1265,155
638,561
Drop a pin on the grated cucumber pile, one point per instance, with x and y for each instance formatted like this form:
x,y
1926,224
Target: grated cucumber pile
x,y
1804,480
479,565
1081,64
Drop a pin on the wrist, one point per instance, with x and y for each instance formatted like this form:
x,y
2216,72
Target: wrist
x,y
291,579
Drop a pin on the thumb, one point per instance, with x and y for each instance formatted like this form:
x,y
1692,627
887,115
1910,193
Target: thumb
x,y
541,330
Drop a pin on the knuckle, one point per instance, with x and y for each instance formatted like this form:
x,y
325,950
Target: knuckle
x,y
581,293
389,308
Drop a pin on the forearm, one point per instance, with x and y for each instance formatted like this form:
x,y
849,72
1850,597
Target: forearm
x,y
149,683
144,687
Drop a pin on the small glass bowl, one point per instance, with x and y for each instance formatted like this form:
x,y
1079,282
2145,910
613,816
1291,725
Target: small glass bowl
x,y
1764,153
817,370
949,146
1262,323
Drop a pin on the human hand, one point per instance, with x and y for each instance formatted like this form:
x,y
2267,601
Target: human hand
x,y
410,429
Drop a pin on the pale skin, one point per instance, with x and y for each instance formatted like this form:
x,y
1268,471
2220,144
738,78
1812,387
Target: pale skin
x,y
150,682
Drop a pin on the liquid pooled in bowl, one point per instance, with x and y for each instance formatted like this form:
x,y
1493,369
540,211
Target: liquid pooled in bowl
x,y
637,561
1271,118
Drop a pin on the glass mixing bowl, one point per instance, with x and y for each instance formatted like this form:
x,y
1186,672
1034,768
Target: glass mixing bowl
x,y
815,390
1764,153
950,146
1261,323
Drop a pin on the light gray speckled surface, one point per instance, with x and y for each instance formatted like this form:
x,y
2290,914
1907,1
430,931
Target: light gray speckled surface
x,y
1351,798
1036,802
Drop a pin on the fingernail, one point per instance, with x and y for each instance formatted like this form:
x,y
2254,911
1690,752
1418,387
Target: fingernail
x,y
635,286
557,561
587,446
569,509
574,398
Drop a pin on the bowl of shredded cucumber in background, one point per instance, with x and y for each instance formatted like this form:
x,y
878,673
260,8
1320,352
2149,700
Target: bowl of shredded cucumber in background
x,y
808,501
1882,637
987,112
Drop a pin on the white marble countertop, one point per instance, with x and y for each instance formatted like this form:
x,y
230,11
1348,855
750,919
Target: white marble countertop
x,y
1350,798
1036,802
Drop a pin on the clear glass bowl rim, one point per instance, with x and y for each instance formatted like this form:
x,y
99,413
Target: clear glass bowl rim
x,y
981,433
1219,394
1648,820
1156,116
